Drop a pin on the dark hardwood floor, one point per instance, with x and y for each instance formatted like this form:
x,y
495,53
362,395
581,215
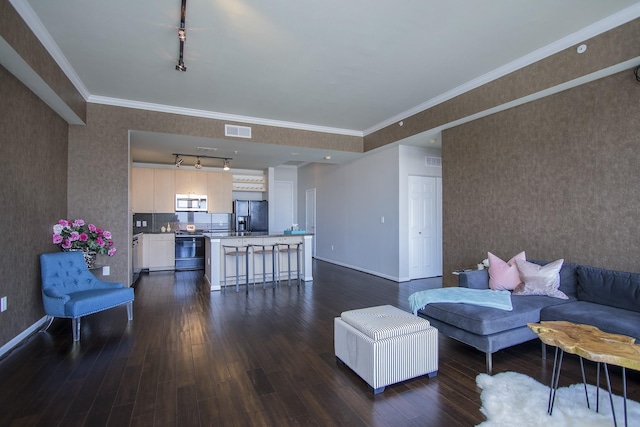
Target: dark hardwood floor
x,y
193,357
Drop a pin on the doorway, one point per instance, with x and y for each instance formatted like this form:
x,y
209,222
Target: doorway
x,y
425,227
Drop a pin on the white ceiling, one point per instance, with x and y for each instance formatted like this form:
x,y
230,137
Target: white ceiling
x,y
343,66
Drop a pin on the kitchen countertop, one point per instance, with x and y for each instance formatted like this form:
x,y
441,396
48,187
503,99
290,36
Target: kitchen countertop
x,y
234,234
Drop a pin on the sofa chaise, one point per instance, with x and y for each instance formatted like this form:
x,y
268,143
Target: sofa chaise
x,y
607,299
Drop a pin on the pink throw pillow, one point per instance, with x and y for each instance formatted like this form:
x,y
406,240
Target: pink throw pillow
x,y
504,276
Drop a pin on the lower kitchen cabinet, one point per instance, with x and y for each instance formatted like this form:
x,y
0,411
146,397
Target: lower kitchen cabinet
x,y
159,252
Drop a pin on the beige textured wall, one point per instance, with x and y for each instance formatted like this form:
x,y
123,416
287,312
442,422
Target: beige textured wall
x,y
33,197
558,178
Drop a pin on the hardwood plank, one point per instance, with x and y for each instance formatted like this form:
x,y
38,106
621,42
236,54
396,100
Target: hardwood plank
x,y
193,357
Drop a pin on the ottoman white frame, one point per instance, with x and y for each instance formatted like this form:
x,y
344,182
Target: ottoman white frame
x,y
395,346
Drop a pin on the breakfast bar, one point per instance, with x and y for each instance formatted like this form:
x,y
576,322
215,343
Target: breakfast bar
x,y
244,271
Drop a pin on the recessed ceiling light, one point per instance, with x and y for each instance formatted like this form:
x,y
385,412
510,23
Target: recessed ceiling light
x,y
327,157
207,148
432,141
294,154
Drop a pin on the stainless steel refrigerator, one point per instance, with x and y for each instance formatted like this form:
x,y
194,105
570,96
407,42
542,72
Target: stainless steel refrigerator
x,y
251,215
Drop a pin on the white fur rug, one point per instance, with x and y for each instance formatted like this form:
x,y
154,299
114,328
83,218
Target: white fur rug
x,y
512,399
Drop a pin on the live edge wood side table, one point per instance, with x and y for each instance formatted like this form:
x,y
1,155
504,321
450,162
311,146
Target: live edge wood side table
x,y
592,344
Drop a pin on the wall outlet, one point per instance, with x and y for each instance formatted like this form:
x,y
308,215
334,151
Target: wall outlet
x,y
106,270
3,304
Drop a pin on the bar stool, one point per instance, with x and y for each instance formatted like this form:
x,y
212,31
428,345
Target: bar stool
x,y
288,248
268,247
237,251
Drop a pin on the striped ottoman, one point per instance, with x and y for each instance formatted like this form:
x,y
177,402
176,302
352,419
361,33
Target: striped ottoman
x,y
385,345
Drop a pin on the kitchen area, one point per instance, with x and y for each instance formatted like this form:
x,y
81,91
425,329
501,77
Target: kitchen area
x,y
182,218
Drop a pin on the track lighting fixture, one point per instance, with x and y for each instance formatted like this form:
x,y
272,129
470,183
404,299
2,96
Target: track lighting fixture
x,y
182,36
198,163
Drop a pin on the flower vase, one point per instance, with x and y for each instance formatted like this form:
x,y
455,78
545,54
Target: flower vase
x,y
89,256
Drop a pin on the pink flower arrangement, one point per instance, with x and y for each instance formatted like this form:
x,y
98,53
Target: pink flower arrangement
x,y
78,235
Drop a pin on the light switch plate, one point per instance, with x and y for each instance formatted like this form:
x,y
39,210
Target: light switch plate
x,y
106,270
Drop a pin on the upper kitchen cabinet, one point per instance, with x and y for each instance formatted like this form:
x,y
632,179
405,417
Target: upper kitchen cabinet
x,y
152,190
141,197
191,182
220,188
164,192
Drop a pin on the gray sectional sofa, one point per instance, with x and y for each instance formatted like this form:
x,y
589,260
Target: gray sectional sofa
x,y
607,299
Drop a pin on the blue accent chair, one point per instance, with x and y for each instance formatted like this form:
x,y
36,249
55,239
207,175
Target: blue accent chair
x,y
70,290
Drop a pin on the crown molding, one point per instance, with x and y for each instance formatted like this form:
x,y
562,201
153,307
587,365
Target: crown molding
x,y
31,19
602,26
118,102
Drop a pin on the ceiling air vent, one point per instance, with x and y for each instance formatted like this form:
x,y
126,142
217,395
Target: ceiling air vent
x,y
237,131
433,161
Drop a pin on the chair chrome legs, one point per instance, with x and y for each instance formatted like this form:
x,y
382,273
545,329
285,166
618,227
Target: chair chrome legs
x,y
75,326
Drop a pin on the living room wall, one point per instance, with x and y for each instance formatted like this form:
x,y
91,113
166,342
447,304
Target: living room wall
x,y
32,199
557,178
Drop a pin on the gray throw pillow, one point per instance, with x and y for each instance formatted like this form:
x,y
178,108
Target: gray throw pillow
x,y
540,279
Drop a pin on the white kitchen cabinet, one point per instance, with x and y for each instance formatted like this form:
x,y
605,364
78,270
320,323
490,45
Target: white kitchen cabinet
x,y
159,252
220,192
152,190
191,181
141,184
164,193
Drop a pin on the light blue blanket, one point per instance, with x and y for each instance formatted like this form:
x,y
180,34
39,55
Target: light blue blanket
x,y
483,297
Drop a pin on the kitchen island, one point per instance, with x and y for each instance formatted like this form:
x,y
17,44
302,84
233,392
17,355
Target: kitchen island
x,y
214,257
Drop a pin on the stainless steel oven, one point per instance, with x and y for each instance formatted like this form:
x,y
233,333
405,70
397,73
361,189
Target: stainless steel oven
x,y
189,251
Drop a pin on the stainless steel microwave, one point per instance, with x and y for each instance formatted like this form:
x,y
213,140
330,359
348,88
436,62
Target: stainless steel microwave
x,y
191,203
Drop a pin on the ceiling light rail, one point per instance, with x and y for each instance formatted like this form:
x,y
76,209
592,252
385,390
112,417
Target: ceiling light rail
x,y
182,36
198,165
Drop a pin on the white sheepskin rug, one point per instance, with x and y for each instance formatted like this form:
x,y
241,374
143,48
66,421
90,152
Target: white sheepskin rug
x,y
512,399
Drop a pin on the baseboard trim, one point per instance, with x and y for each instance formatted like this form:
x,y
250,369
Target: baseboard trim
x,y
353,267
22,336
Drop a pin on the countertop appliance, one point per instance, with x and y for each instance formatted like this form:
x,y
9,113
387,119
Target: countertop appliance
x,y
251,215
189,250
191,202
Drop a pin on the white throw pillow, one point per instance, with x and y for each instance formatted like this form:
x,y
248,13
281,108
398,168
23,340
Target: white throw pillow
x,y
540,279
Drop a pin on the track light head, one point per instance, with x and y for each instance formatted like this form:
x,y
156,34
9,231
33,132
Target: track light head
x,y
178,161
226,165
198,165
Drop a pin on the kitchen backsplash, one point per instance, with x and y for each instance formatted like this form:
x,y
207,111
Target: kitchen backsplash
x,y
174,221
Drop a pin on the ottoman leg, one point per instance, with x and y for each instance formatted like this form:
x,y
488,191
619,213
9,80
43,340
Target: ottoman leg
x,y
376,390
432,374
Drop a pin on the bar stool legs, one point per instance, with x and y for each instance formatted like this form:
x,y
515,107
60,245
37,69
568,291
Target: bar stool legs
x,y
297,269
236,252
264,250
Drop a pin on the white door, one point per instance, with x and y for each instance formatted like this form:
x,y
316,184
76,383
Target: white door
x,y
425,224
310,216
283,206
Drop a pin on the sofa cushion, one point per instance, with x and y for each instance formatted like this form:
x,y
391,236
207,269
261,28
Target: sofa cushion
x,y
503,276
540,279
608,319
609,287
487,320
